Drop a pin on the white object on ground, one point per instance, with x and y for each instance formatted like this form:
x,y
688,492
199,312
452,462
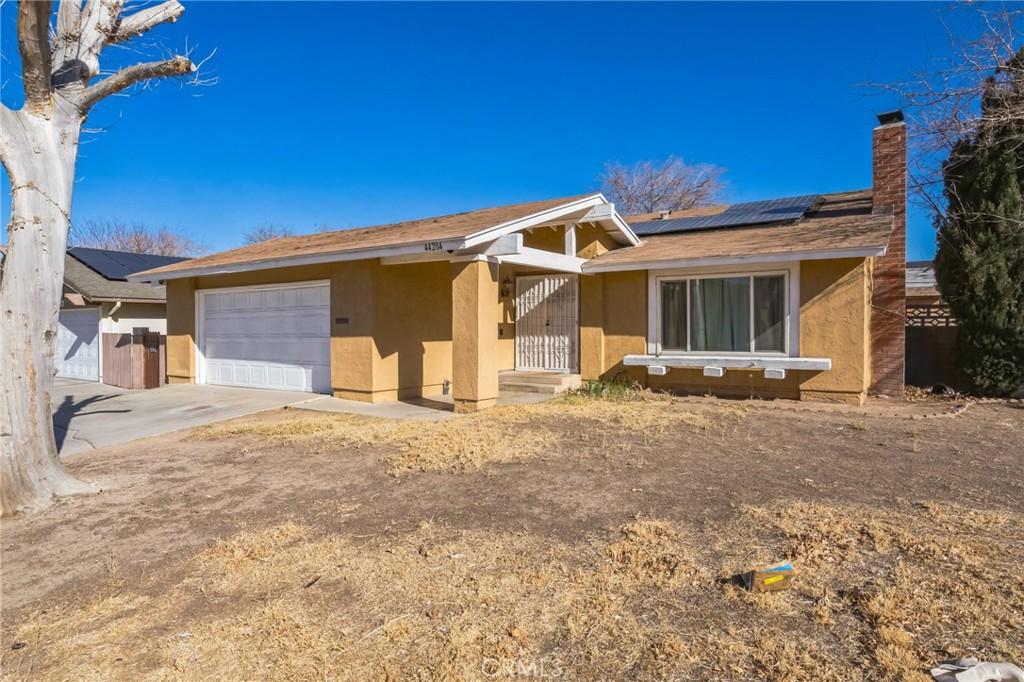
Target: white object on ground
x,y
970,670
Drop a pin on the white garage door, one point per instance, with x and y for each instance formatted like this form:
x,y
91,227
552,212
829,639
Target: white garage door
x,y
78,344
276,337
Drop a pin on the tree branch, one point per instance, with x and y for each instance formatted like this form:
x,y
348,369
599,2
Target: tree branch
x,y
97,25
8,126
34,45
143,20
65,41
129,76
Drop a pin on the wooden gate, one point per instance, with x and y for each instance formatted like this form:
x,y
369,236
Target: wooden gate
x,y
133,360
547,322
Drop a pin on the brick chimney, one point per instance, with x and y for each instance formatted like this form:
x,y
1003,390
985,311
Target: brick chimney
x,y
889,296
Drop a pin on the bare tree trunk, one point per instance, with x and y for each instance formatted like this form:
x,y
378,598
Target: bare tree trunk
x,y
38,148
41,160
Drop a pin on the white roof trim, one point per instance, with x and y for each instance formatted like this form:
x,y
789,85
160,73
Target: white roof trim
x,y
411,249
427,246
859,252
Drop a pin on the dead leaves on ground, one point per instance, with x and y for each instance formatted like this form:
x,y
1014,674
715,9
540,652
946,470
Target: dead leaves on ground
x,y
879,594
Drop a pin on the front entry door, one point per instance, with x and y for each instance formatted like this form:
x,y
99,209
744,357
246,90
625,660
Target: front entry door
x,y
547,322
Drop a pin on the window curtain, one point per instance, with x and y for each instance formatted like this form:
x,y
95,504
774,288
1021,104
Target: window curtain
x,y
673,315
720,314
769,314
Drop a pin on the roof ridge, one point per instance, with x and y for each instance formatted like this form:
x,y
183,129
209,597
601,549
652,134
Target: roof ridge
x,y
440,227
433,218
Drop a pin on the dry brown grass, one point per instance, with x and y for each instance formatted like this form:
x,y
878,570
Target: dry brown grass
x,y
879,594
504,434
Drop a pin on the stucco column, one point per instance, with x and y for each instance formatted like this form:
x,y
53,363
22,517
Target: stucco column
x,y
474,335
181,331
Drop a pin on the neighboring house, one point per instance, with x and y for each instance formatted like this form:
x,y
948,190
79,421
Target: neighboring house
x,y
931,332
800,297
98,300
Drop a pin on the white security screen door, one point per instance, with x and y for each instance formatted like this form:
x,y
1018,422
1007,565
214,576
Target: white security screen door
x,y
78,344
547,322
268,337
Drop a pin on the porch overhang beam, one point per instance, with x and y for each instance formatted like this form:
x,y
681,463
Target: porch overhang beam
x,y
545,260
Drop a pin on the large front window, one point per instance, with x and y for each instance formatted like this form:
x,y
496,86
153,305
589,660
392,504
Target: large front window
x,y
735,314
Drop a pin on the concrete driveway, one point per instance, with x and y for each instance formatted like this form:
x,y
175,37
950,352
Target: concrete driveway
x,y
88,414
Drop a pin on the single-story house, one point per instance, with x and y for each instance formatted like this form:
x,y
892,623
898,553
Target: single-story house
x,y
800,297
100,302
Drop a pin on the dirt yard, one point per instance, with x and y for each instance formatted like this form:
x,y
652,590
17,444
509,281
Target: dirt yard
x,y
578,539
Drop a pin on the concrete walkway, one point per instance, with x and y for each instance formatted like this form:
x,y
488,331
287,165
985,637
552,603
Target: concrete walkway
x,y
88,414
431,408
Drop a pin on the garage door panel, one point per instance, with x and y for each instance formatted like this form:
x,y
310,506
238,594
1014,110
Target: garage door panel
x,y
78,344
269,338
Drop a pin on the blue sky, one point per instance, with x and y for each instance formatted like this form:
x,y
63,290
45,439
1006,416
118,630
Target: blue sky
x,y
340,115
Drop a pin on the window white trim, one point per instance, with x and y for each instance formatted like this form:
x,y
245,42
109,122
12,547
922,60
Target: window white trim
x,y
791,272
660,364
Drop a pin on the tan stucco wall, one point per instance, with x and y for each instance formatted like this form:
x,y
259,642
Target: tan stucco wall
x,y
835,309
353,349
546,238
413,329
395,340
593,240
392,329
181,317
624,321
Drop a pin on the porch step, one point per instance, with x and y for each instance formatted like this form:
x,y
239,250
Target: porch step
x,y
538,382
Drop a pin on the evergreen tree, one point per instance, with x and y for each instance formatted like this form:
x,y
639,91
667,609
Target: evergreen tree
x,y
980,260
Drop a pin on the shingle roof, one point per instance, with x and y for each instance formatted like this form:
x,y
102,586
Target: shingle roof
x,y
763,212
97,288
841,222
453,226
920,273
921,279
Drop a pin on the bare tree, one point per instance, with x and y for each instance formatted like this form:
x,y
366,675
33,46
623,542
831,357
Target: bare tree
x,y
60,69
943,99
264,233
650,186
135,238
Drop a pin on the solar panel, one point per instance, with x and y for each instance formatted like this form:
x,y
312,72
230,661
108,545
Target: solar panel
x,y
117,265
750,213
